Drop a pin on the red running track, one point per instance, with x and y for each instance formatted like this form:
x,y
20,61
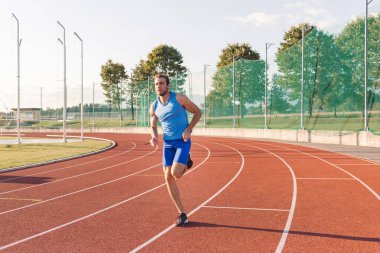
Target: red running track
x,y
241,195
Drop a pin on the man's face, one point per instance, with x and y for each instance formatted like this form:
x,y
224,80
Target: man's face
x,y
161,86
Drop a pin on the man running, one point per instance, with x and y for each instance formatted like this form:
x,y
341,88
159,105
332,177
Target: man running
x,y
171,109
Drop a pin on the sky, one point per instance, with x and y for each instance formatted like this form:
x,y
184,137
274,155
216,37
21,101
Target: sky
x,y
126,31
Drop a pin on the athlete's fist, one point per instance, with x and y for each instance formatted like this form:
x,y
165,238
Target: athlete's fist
x,y
153,142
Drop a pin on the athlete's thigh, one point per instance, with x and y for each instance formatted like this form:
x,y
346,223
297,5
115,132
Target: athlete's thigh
x,y
168,155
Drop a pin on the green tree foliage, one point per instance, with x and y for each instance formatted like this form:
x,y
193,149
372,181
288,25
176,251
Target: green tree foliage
x,y
322,71
278,99
294,35
249,80
162,59
240,51
114,84
351,43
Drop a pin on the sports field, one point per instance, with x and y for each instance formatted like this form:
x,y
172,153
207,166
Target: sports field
x,y
242,195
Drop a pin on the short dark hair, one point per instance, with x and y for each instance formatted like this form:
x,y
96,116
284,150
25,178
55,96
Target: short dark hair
x,y
161,75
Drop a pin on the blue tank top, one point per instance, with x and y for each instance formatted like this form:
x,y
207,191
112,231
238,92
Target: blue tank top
x,y
173,117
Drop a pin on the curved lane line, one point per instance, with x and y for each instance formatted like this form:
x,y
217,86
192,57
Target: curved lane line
x,y
72,166
79,191
79,175
100,211
146,243
286,230
348,173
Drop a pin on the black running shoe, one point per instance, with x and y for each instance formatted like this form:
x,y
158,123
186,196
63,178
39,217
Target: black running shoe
x,y
189,163
181,220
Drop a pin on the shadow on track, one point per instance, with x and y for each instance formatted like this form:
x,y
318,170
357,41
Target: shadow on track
x,y
193,224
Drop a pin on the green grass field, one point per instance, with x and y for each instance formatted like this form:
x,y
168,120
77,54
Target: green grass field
x,y
13,155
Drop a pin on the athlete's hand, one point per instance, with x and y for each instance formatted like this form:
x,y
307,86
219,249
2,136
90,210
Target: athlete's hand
x,y
153,142
186,135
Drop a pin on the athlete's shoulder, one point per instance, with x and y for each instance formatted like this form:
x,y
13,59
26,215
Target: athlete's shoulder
x,y
181,98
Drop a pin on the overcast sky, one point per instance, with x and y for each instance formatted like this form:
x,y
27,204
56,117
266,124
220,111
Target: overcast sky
x,y
126,31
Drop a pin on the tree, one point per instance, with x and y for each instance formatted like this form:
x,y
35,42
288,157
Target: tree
x,y
114,80
240,51
249,78
351,44
322,70
163,59
294,35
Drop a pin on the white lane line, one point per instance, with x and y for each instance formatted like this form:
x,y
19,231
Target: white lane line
x,y
19,199
151,175
79,191
339,168
100,211
146,243
247,208
72,166
78,175
77,220
324,178
352,164
223,162
286,230
346,154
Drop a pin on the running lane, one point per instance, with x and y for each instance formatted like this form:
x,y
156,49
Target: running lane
x,y
242,195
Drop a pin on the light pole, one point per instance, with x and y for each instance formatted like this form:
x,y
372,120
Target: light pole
x,y
176,83
267,45
18,78
41,108
190,84
233,91
365,64
81,93
93,105
64,80
148,99
302,76
204,93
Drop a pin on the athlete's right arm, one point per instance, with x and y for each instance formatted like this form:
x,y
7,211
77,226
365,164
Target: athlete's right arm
x,y
153,127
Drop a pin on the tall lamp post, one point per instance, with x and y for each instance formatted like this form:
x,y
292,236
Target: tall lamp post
x,y
190,84
81,103
93,105
41,108
18,78
233,89
64,80
267,45
365,65
204,93
302,77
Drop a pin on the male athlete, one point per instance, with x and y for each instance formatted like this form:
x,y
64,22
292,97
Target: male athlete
x,y
171,109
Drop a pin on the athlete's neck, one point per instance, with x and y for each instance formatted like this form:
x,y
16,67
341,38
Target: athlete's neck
x,y
165,97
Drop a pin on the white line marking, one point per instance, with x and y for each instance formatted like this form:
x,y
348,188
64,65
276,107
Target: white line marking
x,y
285,232
100,211
33,200
79,191
353,164
72,166
146,243
223,162
77,220
246,208
78,175
323,178
151,175
348,173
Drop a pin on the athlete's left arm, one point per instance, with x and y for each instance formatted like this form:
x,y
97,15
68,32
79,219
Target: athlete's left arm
x,y
194,109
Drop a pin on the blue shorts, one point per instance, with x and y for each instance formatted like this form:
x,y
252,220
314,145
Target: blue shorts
x,y
175,151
